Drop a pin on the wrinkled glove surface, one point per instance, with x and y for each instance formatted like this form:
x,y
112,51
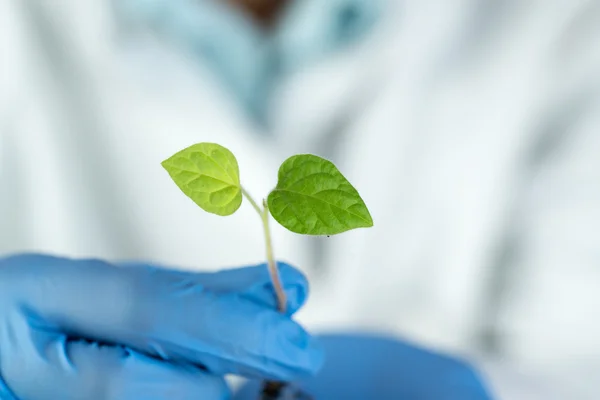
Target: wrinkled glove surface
x,y
91,330
364,367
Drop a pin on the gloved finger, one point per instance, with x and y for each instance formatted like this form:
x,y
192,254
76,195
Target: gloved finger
x,y
253,282
366,366
5,393
173,319
79,370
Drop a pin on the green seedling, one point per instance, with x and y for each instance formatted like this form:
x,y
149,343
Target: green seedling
x,y
312,197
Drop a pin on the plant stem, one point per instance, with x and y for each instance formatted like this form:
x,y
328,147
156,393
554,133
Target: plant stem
x,y
273,271
251,200
270,389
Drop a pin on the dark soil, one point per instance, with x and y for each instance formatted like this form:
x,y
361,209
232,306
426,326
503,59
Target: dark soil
x,y
272,390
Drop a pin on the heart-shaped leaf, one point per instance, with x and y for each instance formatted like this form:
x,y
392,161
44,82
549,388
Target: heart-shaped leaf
x,y
209,175
312,197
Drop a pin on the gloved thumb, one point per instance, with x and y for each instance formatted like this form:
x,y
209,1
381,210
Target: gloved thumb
x,y
93,371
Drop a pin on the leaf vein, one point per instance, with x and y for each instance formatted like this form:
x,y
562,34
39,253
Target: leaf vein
x,y
325,202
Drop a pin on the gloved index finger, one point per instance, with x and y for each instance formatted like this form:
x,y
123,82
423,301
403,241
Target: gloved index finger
x,y
251,282
178,320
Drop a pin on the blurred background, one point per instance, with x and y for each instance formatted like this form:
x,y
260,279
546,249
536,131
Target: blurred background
x,y
471,128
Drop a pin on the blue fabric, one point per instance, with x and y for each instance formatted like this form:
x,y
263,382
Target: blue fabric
x,y
313,29
246,60
87,329
364,367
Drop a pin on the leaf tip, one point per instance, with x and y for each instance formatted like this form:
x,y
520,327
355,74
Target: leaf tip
x,y
369,220
165,163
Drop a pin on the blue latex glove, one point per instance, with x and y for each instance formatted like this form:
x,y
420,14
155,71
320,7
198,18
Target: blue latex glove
x,y
360,367
86,329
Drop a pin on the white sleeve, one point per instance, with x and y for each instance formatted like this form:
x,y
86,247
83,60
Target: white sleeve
x,y
549,314
11,54
13,65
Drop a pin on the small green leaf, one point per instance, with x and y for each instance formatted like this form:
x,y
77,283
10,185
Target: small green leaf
x,y
312,197
209,175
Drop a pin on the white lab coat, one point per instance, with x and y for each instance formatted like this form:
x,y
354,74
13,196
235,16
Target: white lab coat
x,y
475,146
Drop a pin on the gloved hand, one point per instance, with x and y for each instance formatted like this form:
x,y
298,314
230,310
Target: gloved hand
x,y
86,329
362,367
